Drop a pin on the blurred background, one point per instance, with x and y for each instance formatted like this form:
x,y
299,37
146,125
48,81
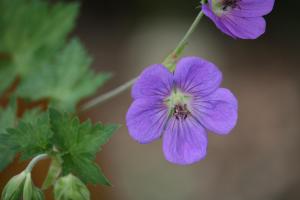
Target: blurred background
x,y
258,160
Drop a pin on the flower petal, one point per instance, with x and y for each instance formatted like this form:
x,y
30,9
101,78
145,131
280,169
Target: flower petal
x,y
253,8
155,81
184,141
146,119
197,76
244,28
217,112
209,13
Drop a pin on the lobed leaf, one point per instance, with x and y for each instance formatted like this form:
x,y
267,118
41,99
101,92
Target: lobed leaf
x,y
31,30
79,143
7,120
65,80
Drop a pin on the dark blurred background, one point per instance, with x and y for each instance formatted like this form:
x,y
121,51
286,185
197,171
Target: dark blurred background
x,y
259,160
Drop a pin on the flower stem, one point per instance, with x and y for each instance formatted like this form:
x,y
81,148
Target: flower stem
x,y
102,98
169,62
53,172
34,161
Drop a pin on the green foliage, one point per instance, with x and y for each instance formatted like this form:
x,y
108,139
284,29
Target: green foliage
x,y
7,120
34,50
7,74
32,138
61,135
8,116
79,143
19,139
31,30
65,80
33,47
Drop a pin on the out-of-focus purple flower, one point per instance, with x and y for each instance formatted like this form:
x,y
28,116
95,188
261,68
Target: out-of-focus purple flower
x,y
239,18
180,106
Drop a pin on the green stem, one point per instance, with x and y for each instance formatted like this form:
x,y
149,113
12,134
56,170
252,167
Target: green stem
x,y
102,98
34,161
169,62
53,172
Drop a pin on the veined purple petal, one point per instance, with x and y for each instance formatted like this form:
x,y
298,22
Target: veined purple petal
x,y
243,20
253,8
217,112
146,119
155,81
245,28
184,141
209,13
197,76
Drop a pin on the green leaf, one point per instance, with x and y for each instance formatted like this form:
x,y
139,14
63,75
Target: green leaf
x,y
32,115
84,168
7,120
22,137
79,143
7,150
8,116
32,138
65,80
33,29
7,75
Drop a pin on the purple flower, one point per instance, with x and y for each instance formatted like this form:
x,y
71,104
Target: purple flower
x,y
180,106
239,18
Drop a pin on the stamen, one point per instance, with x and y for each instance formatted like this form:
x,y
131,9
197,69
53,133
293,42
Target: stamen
x,y
229,4
181,112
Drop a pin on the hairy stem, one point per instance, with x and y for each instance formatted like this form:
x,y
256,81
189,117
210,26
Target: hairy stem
x,y
102,98
169,62
34,161
53,172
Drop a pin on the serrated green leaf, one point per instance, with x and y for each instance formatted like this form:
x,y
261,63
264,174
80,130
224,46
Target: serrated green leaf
x,y
32,138
7,120
22,137
79,143
8,116
86,169
31,29
7,75
65,81
32,115
7,150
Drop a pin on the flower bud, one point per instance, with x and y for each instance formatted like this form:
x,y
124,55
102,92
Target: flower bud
x,y
21,185
28,187
70,187
13,189
30,192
